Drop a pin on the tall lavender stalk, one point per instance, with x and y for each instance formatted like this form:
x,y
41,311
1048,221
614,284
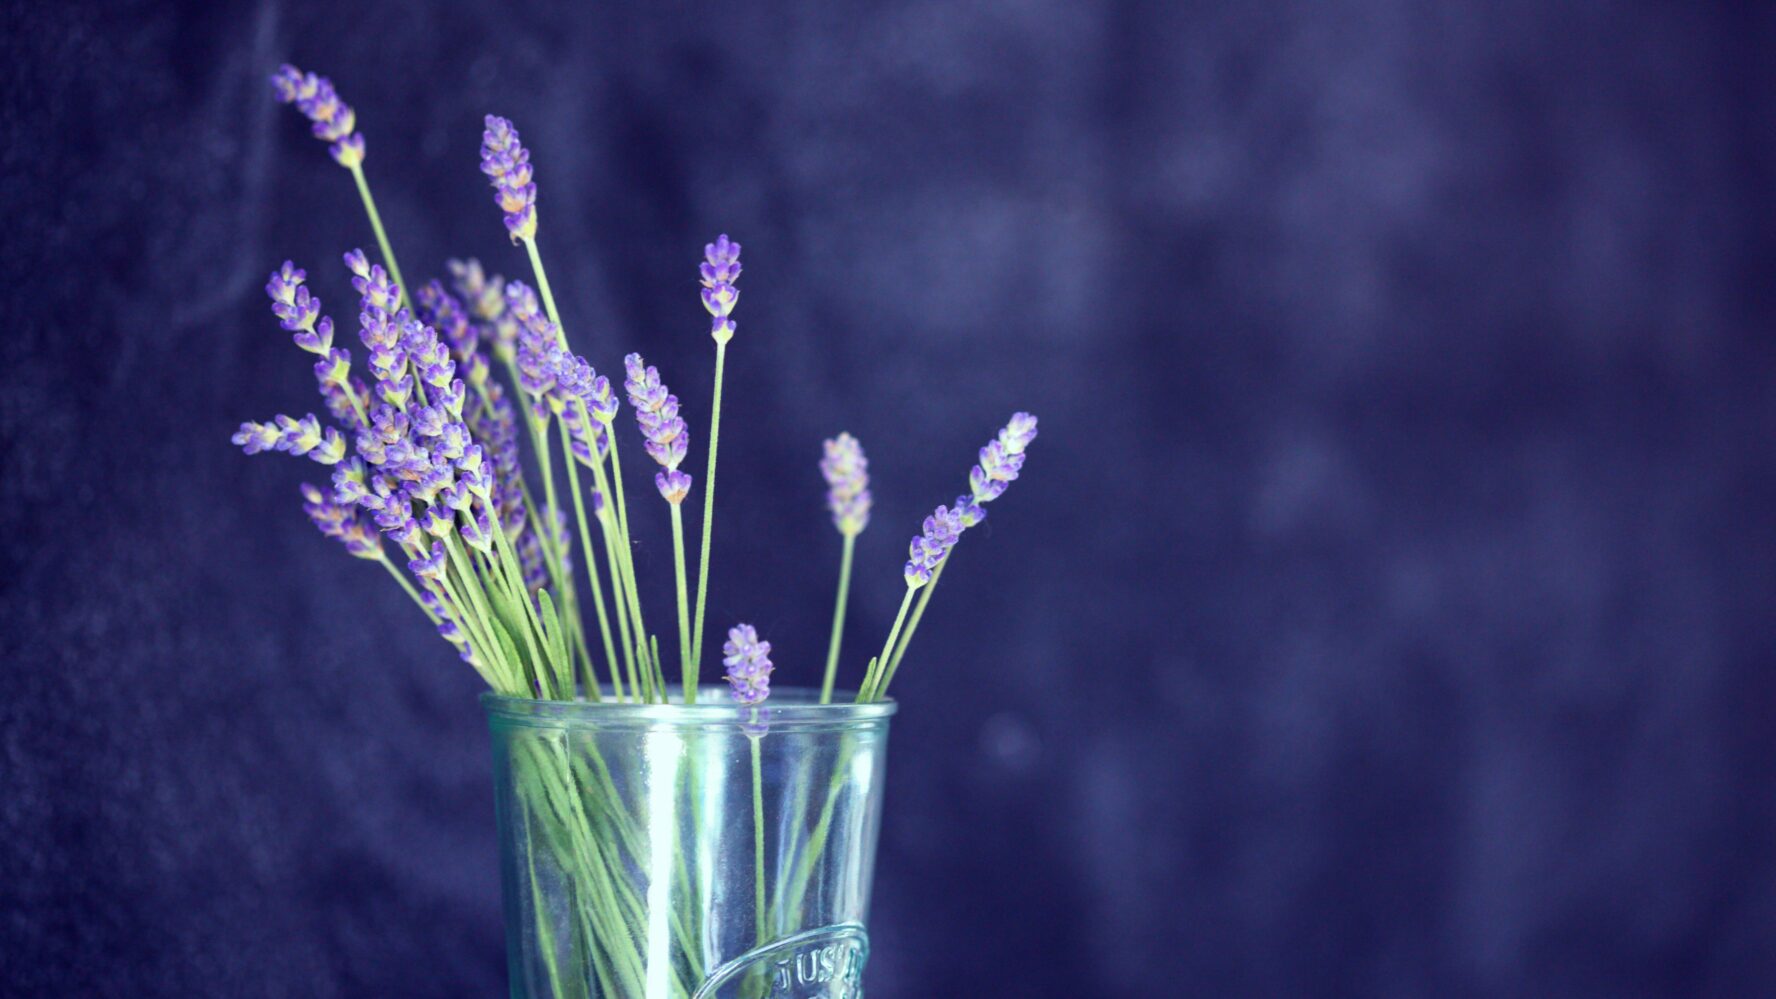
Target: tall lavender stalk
x,y
335,123
667,439
846,471
1000,461
719,271
506,162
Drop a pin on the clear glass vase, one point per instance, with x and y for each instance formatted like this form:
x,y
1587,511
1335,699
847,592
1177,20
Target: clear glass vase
x,y
669,851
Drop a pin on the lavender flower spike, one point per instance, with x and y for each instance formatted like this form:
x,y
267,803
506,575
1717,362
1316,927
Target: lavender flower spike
x,y
932,546
664,431
333,119
1000,462
306,436
486,297
341,522
748,659
720,269
847,484
506,163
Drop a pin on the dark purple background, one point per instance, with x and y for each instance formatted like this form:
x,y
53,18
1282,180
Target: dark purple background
x,y
1386,609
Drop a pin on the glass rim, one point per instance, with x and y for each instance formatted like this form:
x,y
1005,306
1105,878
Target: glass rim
x,y
715,707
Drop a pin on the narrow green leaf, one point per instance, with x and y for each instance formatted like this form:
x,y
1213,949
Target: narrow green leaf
x,y
555,641
504,637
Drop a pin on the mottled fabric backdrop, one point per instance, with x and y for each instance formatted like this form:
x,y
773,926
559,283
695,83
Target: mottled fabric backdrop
x,y
1384,611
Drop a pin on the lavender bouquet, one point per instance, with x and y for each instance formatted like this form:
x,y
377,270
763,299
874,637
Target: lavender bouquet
x,y
658,839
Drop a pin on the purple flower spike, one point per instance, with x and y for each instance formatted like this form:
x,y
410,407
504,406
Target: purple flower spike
x,y
298,437
444,312
373,283
1018,433
254,437
333,119
664,431
720,269
847,484
970,510
341,522
484,296
478,528
931,547
298,311
1001,459
486,299
540,356
506,163
673,484
748,660
430,568
426,352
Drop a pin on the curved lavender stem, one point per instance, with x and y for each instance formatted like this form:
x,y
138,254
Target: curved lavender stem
x,y
1000,462
382,240
335,123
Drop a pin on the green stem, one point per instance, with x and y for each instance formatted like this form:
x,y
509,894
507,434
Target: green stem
x,y
469,619
552,524
619,597
659,668
622,582
758,839
357,404
601,783
542,276
779,889
515,589
546,537
483,665
546,937
589,866
715,415
838,622
912,626
382,240
798,885
687,665
401,578
616,478
573,479
869,682
477,591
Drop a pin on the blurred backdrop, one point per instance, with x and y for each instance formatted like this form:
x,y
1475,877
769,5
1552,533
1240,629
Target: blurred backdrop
x,y
1384,610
